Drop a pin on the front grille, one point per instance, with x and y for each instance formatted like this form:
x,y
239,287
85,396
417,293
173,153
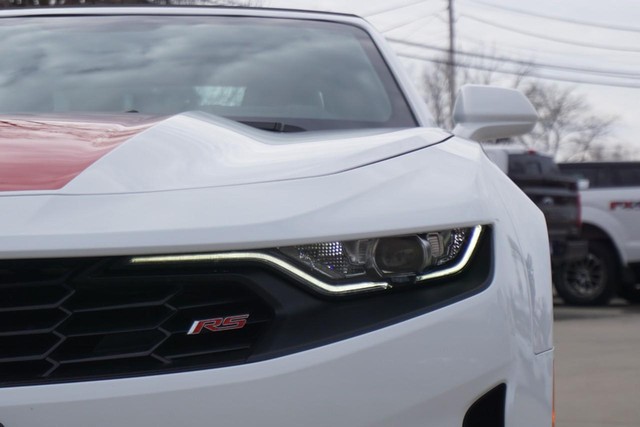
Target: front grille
x,y
82,319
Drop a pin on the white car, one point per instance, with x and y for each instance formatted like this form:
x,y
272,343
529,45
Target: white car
x,y
241,217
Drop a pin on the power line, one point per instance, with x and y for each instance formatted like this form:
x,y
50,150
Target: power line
x,y
546,37
550,57
413,31
413,20
512,49
535,64
558,18
539,76
393,9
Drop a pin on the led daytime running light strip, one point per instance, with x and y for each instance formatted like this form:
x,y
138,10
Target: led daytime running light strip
x,y
285,267
291,270
461,264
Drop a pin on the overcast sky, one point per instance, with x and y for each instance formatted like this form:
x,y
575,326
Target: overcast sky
x,y
599,41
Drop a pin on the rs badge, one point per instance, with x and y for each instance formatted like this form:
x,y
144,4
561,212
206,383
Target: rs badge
x,y
219,324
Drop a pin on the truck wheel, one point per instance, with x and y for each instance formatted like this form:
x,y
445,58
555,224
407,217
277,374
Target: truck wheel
x,y
591,281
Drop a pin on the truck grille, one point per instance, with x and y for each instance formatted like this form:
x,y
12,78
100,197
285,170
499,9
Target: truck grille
x,y
83,319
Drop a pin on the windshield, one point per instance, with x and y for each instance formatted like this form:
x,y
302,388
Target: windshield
x,y
532,165
285,73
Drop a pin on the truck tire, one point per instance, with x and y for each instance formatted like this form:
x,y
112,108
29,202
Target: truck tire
x,y
591,281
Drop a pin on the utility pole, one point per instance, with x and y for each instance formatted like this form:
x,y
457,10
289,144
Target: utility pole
x,y
451,68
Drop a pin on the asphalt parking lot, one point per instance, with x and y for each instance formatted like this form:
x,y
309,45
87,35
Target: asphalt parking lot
x,y
597,366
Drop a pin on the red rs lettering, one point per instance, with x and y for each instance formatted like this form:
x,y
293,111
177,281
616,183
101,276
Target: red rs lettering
x,y
219,324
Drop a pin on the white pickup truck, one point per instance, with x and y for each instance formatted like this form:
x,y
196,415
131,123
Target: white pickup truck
x,y
611,224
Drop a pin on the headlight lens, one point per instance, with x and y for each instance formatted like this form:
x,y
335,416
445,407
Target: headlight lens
x,y
397,259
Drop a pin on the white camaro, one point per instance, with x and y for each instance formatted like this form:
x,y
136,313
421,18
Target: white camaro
x,y
243,217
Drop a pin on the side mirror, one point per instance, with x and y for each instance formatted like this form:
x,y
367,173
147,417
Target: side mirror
x,y
486,113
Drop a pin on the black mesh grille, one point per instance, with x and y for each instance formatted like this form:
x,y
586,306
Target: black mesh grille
x,y
65,320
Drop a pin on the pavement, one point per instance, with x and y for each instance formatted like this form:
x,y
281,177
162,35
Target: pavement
x,y
597,362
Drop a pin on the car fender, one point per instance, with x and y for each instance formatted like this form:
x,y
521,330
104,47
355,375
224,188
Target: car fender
x,y
529,256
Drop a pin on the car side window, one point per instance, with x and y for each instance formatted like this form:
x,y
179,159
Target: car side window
x,y
591,175
604,178
525,164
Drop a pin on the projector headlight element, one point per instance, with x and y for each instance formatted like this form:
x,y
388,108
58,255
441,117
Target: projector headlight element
x,y
397,259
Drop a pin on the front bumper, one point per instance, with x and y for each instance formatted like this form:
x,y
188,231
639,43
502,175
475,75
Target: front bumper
x,y
425,371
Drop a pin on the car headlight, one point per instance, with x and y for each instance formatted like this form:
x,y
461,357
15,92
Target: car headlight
x,y
356,266
398,259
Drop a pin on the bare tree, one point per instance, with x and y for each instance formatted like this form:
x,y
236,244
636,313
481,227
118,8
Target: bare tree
x,y
434,85
568,128
610,152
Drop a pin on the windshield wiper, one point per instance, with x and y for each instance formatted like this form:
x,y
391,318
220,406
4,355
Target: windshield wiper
x,y
273,126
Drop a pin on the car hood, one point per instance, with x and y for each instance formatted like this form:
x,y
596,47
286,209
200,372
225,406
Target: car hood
x,y
116,154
